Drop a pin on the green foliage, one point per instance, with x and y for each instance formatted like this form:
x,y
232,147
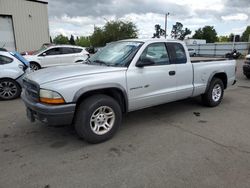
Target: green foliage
x,y
72,40
82,41
245,35
158,31
223,38
60,39
208,33
178,32
113,31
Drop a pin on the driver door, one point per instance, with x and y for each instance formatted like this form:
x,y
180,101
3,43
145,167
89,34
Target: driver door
x,y
153,84
51,57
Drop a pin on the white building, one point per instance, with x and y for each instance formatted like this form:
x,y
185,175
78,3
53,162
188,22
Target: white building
x,y
23,24
194,41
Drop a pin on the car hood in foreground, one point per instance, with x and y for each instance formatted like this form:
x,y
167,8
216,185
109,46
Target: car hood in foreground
x,y
63,72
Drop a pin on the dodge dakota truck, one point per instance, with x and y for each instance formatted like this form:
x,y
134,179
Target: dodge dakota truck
x,y
124,76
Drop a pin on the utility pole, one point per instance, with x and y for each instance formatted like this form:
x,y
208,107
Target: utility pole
x,y
166,20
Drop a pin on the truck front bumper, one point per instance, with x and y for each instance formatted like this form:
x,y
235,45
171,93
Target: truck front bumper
x,y
49,114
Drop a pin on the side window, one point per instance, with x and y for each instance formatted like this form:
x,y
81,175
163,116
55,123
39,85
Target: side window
x,y
66,50
157,53
77,50
177,52
5,60
53,51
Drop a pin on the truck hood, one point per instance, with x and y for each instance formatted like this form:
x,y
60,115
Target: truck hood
x,y
63,72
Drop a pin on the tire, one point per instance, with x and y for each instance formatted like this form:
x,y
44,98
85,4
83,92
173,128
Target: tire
x,y
9,89
214,94
96,108
34,66
248,76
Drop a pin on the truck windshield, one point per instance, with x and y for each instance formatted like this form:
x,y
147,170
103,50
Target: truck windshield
x,y
116,53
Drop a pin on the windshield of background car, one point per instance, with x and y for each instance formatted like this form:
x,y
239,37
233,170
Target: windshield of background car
x,y
40,50
116,53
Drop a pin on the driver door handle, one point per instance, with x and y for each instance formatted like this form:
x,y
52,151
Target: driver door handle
x,y
171,73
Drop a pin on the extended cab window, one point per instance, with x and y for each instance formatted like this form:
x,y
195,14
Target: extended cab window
x,y
177,53
157,53
53,51
5,60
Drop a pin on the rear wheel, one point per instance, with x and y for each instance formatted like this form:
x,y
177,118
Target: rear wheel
x,y
98,118
214,94
34,66
9,89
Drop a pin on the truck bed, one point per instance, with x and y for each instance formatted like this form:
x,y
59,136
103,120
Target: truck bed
x,y
206,59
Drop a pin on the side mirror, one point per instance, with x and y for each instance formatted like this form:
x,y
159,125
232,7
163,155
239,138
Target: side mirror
x,y
44,54
145,62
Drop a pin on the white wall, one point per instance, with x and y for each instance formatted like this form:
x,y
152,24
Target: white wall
x,y
30,21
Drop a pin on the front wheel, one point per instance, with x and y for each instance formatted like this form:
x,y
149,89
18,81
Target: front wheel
x,y
9,89
98,118
214,94
34,66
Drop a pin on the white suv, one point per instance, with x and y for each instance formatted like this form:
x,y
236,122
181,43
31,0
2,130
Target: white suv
x,y
57,55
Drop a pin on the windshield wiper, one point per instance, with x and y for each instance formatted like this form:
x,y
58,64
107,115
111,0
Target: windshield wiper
x,y
100,62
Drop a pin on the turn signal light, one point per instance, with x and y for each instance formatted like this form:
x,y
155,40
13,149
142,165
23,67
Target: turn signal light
x,y
52,101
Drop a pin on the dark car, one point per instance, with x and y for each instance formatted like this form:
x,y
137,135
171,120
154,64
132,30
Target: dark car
x,y
246,67
233,55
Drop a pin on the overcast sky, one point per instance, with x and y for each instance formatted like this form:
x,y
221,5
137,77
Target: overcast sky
x,y
78,17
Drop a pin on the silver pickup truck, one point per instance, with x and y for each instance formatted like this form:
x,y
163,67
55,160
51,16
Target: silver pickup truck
x,y
124,76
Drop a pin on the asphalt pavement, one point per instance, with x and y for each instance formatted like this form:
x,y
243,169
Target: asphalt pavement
x,y
181,144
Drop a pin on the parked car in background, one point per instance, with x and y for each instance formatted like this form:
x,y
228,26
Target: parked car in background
x,y
246,67
233,55
91,50
192,52
124,76
12,69
57,55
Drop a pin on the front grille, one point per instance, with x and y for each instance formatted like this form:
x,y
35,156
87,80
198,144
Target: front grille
x,y
31,89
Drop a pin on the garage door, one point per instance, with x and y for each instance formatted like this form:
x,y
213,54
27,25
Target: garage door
x,y
7,39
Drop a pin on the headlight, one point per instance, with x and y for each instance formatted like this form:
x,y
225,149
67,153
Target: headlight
x,y
50,97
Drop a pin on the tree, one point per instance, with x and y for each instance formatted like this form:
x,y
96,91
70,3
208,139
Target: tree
x,y
178,32
223,39
72,40
158,31
83,41
207,33
245,35
60,39
113,31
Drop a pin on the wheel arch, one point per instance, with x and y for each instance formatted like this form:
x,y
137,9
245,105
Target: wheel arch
x,y
220,75
2,78
35,62
113,90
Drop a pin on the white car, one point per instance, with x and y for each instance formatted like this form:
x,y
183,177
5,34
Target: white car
x,y
57,55
12,68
